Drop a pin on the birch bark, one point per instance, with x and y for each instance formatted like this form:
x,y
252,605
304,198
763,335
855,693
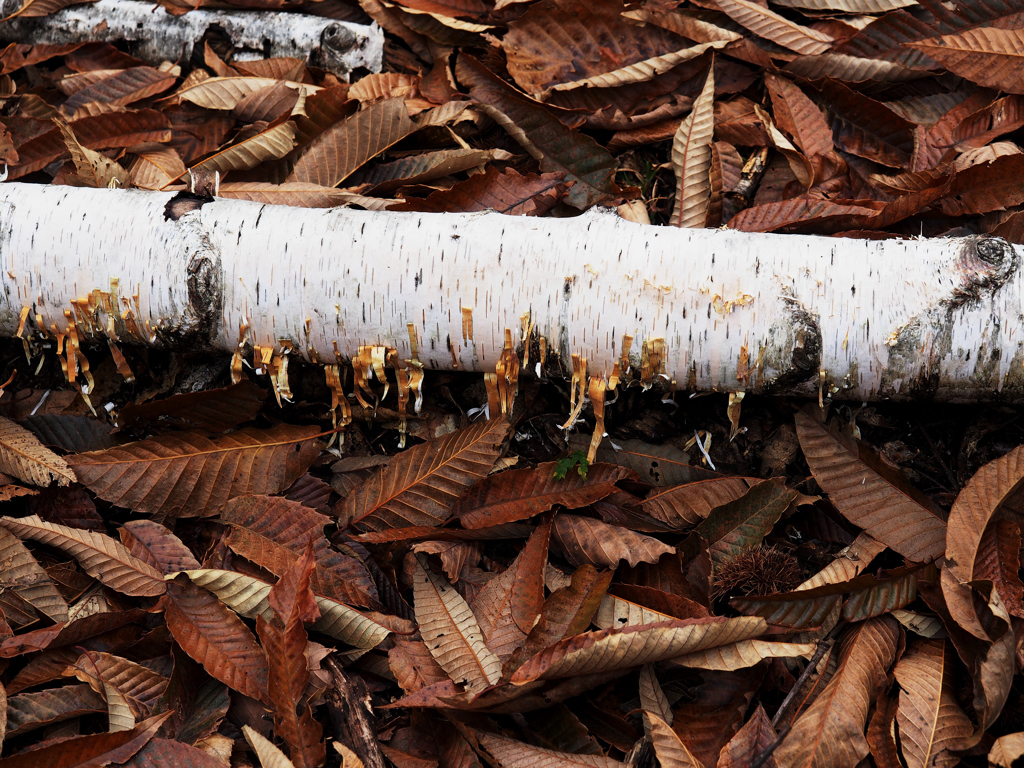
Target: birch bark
x,y
709,309
154,35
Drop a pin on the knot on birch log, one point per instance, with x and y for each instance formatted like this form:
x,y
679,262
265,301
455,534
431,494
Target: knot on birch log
x,y
985,264
9,8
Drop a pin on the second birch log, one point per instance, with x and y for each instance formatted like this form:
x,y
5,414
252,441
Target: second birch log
x,y
709,309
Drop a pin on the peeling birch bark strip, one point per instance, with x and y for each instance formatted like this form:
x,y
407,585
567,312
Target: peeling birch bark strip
x,y
154,35
777,314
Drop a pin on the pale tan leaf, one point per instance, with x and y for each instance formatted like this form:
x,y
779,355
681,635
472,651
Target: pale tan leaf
x,y
269,755
691,159
848,564
349,759
653,698
771,26
299,193
20,573
516,754
1006,750
24,457
271,144
615,612
615,649
929,718
847,6
451,631
669,748
92,169
743,654
226,92
830,732
648,69
248,597
100,556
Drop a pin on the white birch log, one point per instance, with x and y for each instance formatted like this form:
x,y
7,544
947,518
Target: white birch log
x,y
154,35
781,314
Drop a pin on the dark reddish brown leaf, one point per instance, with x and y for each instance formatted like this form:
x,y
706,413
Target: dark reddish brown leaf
x,y
708,721
73,434
867,128
148,476
987,56
284,640
554,43
154,544
162,753
212,634
870,497
741,524
519,494
869,595
985,187
421,485
556,147
687,505
273,533
98,749
216,410
586,540
998,560
502,190
336,153
124,87
107,131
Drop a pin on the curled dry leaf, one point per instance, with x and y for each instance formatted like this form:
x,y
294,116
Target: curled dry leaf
x,y
518,494
775,27
509,605
273,532
586,540
271,144
886,508
24,457
742,655
100,556
749,743
995,484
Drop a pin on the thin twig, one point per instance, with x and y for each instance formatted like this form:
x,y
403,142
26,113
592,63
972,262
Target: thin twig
x,y
823,646
771,748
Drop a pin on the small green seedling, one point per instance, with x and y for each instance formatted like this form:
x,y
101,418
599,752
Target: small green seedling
x,y
576,459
